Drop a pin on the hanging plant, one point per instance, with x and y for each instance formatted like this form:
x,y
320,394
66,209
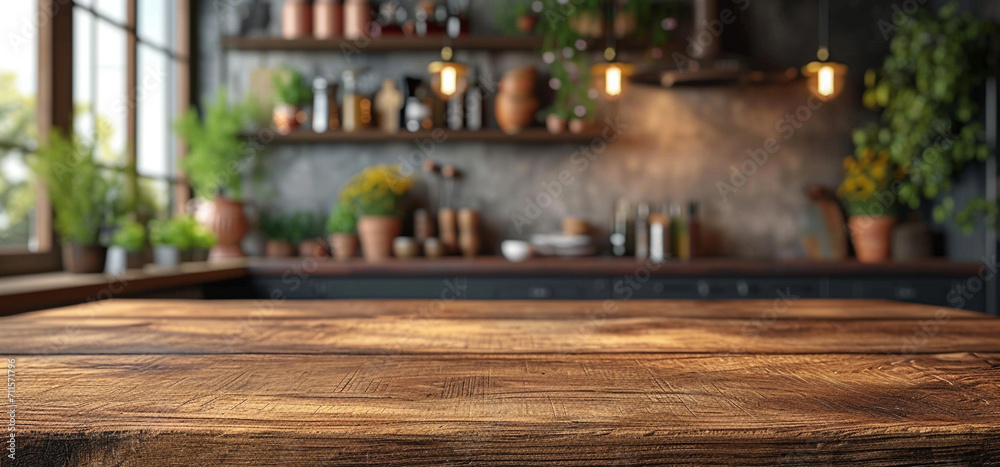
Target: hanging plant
x,y
569,29
928,90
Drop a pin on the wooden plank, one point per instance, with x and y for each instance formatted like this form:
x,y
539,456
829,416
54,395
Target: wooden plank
x,y
508,410
758,310
367,336
528,135
383,44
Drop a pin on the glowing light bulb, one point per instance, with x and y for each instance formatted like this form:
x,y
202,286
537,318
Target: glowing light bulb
x,y
826,79
613,81
449,80
825,87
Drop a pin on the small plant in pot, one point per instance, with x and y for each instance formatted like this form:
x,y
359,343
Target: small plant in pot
x,y
343,226
867,193
202,241
278,232
291,91
309,235
169,238
127,250
929,91
217,157
79,193
556,120
377,194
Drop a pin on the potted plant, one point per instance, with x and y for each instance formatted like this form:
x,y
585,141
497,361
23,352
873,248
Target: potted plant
x,y
867,193
78,191
202,241
127,248
556,119
217,157
291,91
277,231
309,235
377,194
928,91
342,226
169,238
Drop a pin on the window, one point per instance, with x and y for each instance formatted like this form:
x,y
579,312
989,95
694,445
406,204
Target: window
x,y
18,128
126,91
112,71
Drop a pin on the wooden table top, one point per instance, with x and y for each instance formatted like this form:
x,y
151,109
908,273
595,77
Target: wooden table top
x,y
128,382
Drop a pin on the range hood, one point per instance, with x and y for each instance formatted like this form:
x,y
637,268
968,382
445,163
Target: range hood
x,y
705,65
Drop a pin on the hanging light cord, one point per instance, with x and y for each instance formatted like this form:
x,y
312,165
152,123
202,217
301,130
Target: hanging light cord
x,y
823,53
610,42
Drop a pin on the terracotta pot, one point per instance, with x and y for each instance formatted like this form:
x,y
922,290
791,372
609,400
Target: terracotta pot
x,y
296,19
357,16
526,23
377,234
287,118
555,124
872,237
344,245
278,249
313,248
587,24
227,220
519,82
577,126
513,113
84,259
328,19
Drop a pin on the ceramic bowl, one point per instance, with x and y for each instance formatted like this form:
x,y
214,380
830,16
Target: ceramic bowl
x,y
516,250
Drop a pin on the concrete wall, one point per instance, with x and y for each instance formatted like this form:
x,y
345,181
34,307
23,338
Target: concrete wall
x,y
678,145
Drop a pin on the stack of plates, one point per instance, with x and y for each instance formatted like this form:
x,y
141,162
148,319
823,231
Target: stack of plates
x,y
564,245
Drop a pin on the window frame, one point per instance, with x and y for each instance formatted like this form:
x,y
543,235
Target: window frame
x,y
55,110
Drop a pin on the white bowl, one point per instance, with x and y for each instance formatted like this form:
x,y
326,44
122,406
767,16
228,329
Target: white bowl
x,y
515,250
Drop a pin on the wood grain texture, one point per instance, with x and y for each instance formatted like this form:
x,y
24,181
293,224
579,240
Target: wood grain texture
x,y
505,309
509,410
130,382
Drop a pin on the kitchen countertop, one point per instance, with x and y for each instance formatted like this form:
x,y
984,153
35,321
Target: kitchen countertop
x,y
21,293
503,383
602,265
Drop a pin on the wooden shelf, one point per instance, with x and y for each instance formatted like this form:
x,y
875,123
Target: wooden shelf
x,y
530,135
383,44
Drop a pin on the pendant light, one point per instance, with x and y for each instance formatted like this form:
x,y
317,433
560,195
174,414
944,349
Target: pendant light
x,y
448,78
826,78
611,77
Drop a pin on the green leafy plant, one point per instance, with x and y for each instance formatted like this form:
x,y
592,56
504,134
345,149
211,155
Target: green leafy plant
x,y
217,152
202,238
927,90
275,227
305,225
131,236
563,25
182,232
77,187
377,191
342,219
290,87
